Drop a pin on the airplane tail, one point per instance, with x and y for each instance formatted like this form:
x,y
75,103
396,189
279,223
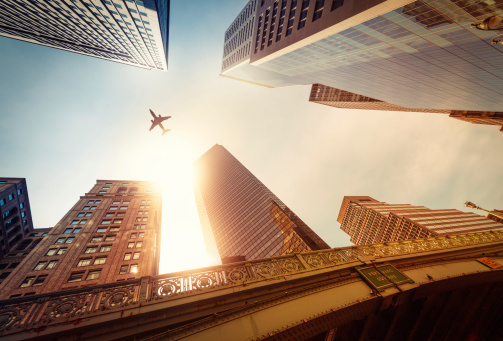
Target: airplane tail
x,y
165,131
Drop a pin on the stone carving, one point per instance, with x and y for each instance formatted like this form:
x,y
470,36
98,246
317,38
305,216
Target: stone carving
x,y
41,311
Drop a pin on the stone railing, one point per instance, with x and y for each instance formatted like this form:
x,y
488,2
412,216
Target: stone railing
x,y
69,305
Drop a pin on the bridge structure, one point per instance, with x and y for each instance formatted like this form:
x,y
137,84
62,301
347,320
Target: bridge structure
x,y
442,288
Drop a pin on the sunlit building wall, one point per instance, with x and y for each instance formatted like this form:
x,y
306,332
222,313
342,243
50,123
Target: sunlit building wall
x,y
415,54
124,31
241,218
368,221
111,234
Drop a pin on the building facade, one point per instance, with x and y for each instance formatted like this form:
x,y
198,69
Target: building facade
x,y
368,221
15,222
112,233
241,218
124,31
337,98
420,54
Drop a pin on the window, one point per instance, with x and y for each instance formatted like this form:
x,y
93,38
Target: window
x,y
69,240
123,269
110,238
83,221
123,208
136,255
11,197
125,202
130,245
84,262
74,222
85,208
318,9
139,244
93,274
76,277
127,256
116,203
61,251
101,229
21,205
109,214
133,268
51,252
106,222
117,221
40,266
60,240
68,231
133,235
106,248
105,187
114,229
113,208
96,239
336,4
91,249
100,260
51,264
81,214
88,214
2,202
141,234
27,282
39,280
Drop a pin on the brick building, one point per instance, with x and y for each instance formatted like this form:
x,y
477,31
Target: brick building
x,y
112,233
368,221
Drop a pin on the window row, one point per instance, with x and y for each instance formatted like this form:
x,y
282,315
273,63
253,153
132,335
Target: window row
x,y
94,249
92,261
109,229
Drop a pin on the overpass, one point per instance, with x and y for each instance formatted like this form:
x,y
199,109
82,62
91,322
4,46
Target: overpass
x,y
442,288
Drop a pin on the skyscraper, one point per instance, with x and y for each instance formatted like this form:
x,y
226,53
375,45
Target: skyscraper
x,y
16,222
337,98
368,221
241,218
124,31
112,233
415,54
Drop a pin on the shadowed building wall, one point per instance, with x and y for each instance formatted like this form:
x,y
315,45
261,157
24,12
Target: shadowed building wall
x,y
241,218
124,31
111,234
368,221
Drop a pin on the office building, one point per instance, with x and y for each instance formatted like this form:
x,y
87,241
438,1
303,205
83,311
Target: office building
x,y
420,54
15,221
241,218
369,221
124,31
112,233
337,98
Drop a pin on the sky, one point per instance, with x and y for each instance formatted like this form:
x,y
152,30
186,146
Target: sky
x,y
67,120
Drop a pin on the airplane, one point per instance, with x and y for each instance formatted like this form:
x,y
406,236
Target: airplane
x,y
157,122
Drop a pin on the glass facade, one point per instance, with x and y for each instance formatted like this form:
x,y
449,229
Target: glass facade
x,y
243,217
421,55
125,31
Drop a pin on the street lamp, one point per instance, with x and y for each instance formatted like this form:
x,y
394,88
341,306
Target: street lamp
x,y
495,213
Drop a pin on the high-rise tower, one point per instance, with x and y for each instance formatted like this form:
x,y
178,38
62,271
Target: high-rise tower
x,y
368,221
124,31
112,233
241,218
420,54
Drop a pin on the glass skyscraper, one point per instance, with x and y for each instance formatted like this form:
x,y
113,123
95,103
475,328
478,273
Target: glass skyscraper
x,y
415,54
124,31
241,218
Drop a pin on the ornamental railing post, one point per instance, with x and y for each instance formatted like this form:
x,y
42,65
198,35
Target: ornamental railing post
x,y
144,289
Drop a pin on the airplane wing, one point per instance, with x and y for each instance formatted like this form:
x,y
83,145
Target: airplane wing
x,y
152,113
165,118
152,126
160,125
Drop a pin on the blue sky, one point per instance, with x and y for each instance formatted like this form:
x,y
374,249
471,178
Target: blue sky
x,y
68,120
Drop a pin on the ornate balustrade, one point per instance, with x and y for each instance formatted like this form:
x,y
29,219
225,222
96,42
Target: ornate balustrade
x,y
68,305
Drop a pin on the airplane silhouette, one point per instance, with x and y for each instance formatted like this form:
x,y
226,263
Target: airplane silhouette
x,y
157,122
